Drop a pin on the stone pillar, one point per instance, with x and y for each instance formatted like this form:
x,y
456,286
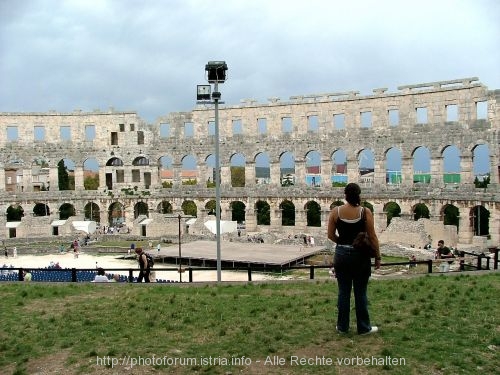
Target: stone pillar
x,y
326,173
465,230
352,170
127,176
155,181
54,179
226,212
103,217
202,175
407,171
301,219
250,174
275,216
225,175
466,170
437,171
494,172
102,179
27,185
325,215
250,219
300,173
379,173
177,169
275,172
79,177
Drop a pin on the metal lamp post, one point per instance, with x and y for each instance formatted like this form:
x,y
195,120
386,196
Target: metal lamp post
x,y
179,217
216,73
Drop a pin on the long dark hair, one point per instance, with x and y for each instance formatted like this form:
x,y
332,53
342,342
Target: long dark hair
x,y
352,194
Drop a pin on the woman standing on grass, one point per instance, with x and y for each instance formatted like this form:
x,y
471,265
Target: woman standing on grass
x,y
352,266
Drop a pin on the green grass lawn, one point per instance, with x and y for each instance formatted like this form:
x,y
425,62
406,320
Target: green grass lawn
x,y
442,324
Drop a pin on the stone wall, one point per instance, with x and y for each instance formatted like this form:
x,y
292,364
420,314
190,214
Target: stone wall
x,y
418,233
130,157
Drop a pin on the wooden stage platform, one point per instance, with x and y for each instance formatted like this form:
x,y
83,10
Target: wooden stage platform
x,y
235,254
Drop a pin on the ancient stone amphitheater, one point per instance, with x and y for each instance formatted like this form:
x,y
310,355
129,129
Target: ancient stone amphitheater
x,y
283,164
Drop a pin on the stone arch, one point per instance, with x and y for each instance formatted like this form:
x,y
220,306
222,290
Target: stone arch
x,y
210,206
421,165
420,210
210,165
237,211
189,208
451,164
14,213
480,220
116,214
392,209
393,166
450,215
339,168
165,207
263,212
366,166
141,208
313,168
313,214
140,161
66,210
287,169
91,174
40,174
237,165
287,213
262,168
166,171
189,172
481,161
92,212
41,209
66,174
114,162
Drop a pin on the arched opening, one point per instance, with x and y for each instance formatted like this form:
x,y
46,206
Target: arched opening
x,y
66,210
287,213
263,213
313,214
392,209
92,212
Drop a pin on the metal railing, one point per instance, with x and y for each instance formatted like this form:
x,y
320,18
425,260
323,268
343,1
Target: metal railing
x,y
476,262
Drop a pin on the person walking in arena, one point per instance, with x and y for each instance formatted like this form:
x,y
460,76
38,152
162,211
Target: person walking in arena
x,y
145,269
352,265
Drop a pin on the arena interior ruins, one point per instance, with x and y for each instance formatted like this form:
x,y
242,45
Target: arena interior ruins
x,y
424,150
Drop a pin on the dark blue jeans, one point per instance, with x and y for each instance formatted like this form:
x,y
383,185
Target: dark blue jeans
x,y
353,269
144,274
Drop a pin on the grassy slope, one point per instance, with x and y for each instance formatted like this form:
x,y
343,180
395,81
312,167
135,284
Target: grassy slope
x,y
438,325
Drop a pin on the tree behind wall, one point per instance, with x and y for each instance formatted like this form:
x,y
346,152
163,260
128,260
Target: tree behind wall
x,y
62,174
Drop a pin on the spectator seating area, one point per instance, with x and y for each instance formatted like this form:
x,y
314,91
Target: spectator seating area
x,y
63,275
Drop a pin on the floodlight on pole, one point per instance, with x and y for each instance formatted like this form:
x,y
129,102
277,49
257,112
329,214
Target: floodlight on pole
x,y
216,73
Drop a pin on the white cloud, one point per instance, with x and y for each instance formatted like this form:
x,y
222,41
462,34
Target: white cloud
x,y
149,56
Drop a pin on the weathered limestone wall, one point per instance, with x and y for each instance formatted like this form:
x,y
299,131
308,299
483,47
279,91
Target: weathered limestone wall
x,y
128,153
418,233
